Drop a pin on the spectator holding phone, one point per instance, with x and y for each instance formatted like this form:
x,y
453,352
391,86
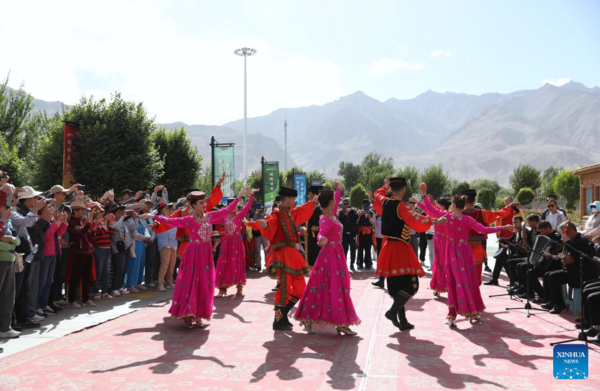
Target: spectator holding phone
x,y
366,224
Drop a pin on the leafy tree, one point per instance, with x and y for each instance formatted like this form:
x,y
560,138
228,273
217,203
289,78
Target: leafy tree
x,y
568,186
254,181
548,180
181,160
288,176
204,179
525,176
21,129
525,196
350,172
460,187
412,180
487,198
373,178
357,194
114,148
315,176
437,180
49,163
479,184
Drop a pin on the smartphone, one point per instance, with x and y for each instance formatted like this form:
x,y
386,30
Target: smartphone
x,y
4,175
144,194
82,187
366,207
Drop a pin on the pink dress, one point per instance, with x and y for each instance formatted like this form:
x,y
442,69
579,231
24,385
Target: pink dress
x,y
231,267
439,282
326,299
464,296
194,290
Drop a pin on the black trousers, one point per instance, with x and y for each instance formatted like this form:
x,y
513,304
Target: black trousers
x,y
591,309
81,270
365,242
349,242
501,262
379,244
552,286
511,269
407,283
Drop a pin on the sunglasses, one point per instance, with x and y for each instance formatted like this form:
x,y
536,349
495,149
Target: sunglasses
x,y
551,206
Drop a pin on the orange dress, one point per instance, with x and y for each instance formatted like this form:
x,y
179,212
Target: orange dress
x,y
397,258
183,235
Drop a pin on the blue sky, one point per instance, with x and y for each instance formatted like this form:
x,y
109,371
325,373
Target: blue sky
x,y
176,56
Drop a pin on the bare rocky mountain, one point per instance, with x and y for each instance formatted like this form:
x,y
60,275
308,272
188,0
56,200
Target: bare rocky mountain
x,y
473,136
551,126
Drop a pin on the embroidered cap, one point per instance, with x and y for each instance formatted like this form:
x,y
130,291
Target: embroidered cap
x,y
196,195
287,192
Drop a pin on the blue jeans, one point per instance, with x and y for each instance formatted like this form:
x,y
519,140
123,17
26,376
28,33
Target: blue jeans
x,y
102,257
46,277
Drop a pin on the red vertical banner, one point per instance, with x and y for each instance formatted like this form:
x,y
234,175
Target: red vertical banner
x,y
71,129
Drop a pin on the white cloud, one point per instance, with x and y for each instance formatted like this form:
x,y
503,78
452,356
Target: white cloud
x,y
440,53
385,65
179,75
556,82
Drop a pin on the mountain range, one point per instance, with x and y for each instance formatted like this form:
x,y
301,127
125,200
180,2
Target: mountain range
x,y
473,136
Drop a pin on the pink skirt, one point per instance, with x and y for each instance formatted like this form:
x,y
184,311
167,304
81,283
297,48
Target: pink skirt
x,y
193,296
439,281
231,267
326,299
464,296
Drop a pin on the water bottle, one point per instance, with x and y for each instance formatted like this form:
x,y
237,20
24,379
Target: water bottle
x,y
32,254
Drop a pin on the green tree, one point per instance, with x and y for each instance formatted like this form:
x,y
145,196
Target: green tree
x,y
357,194
487,198
48,170
525,196
525,176
204,179
254,181
568,186
411,174
437,180
181,160
350,173
548,180
21,129
114,148
315,176
479,184
460,187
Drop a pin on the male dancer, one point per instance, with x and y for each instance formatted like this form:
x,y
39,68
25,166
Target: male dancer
x,y
312,225
484,217
285,261
215,197
397,260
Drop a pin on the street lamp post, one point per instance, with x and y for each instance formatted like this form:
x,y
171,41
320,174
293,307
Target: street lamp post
x,y
245,52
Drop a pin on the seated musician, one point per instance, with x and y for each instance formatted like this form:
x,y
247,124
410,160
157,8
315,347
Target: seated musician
x,y
570,274
510,249
519,254
549,261
591,299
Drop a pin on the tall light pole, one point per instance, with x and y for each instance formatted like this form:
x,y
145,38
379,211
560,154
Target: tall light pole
x,y
245,52
285,144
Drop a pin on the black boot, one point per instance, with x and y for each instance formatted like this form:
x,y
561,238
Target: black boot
x,y
404,325
400,299
288,308
276,288
279,322
379,283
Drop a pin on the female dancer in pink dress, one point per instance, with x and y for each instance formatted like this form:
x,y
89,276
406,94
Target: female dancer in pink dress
x,y
231,267
326,299
439,283
464,296
193,297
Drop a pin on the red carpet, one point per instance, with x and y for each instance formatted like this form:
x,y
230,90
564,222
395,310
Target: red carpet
x,y
239,351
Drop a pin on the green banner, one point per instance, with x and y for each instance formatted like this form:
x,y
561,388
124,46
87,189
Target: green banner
x,y
224,162
270,180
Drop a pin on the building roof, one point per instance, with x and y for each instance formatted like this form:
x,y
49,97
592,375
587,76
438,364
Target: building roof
x,y
586,170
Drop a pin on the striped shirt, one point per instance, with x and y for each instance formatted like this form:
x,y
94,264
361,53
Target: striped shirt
x,y
101,238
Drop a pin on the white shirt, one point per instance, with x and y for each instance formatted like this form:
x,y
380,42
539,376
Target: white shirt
x,y
552,218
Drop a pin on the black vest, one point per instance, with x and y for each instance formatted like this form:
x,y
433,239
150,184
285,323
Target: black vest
x,y
392,225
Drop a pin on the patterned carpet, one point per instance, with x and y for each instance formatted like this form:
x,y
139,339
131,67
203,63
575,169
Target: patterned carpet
x,y
146,350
